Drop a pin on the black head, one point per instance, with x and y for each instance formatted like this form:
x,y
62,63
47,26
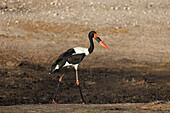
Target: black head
x,y
91,34
94,35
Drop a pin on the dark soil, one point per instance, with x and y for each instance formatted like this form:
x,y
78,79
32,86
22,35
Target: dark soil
x,y
31,84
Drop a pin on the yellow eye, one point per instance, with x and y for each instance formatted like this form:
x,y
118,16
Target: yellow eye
x,y
95,35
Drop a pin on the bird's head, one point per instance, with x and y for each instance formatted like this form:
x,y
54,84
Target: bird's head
x,y
94,35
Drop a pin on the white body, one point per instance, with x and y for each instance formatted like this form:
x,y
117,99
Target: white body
x,y
81,50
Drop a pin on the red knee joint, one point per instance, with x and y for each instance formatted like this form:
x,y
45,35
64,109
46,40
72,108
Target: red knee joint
x,y
77,82
60,79
54,101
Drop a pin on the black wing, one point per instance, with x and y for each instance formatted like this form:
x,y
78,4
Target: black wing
x,y
76,58
67,54
61,60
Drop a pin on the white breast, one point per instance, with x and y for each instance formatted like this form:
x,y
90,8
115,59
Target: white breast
x,y
81,50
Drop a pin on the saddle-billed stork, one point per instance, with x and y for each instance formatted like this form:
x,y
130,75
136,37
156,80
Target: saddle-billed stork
x,y
73,57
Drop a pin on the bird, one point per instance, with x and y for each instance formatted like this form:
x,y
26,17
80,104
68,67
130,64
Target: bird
x,y
73,57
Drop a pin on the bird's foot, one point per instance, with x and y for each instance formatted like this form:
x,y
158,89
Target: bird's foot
x,y
54,101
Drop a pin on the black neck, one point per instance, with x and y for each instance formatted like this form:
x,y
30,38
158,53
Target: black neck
x,y
91,48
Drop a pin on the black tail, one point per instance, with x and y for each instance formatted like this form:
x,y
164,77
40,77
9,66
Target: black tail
x,y
53,72
60,63
52,69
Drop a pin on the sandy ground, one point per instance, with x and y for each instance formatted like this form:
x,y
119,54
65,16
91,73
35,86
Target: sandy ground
x,y
92,108
34,33
137,30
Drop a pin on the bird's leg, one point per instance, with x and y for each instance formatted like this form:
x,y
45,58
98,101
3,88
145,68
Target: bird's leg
x,y
78,84
54,97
